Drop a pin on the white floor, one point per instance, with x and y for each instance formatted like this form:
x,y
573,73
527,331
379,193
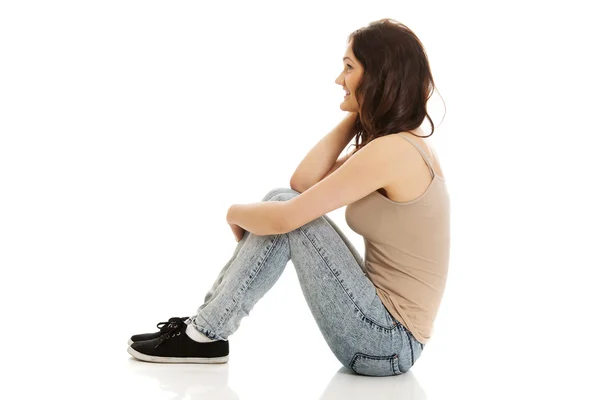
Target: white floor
x,y
66,323
508,328
301,371
65,353
127,129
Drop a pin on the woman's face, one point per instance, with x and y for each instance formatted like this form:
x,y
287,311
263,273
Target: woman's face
x,y
349,79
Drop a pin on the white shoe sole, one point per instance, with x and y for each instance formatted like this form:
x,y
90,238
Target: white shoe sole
x,y
188,360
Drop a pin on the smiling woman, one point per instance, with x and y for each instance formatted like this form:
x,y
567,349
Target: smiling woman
x,y
376,313
350,78
387,74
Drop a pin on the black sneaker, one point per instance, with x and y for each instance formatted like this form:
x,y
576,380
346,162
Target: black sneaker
x,y
175,346
163,328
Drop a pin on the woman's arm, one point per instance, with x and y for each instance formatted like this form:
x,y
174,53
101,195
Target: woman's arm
x,y
264,218
323,155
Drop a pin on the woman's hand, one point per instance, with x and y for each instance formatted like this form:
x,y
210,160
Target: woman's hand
x,y
238,231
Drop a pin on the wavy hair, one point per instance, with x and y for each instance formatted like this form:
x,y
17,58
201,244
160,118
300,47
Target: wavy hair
x,y
396,83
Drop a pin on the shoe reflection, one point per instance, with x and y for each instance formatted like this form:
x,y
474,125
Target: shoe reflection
x,y
189,381
349,386
210,382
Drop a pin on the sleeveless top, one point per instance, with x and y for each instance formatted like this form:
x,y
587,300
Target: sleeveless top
x,y
407,249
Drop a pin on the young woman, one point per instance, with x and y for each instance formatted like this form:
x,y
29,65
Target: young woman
x,y
376,314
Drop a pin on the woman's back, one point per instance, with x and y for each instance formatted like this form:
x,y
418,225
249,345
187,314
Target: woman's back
x,y
413,176
407,244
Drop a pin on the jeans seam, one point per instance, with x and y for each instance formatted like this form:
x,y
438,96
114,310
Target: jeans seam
x,y
410,344
396,365
245,287
342,286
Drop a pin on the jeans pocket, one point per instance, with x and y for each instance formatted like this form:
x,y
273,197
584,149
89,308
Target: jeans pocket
x,y
364,364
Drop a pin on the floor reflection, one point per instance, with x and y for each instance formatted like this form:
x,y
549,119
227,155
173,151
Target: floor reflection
x,y
189,381
347,385
210,382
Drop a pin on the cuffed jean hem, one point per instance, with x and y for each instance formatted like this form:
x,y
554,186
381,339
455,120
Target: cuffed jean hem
x,y
208,333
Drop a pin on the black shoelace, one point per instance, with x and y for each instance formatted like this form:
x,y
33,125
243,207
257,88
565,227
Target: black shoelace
x,y
170,329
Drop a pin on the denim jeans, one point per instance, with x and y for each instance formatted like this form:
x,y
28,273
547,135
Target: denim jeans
x,y
357,327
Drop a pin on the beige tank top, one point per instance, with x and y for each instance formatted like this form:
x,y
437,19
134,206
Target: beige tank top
x,y
407,249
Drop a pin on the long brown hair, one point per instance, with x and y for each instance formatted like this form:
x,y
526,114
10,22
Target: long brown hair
x,y
396,83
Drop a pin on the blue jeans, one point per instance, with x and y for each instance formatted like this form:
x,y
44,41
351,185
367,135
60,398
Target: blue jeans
x,y
358,328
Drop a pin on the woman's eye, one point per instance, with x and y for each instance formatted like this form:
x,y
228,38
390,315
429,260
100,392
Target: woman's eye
x,y
348,66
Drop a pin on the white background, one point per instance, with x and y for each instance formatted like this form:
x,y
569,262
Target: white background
x,y
128,128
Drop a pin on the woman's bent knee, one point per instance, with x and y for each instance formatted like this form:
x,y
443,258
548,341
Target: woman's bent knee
x,y
274,192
